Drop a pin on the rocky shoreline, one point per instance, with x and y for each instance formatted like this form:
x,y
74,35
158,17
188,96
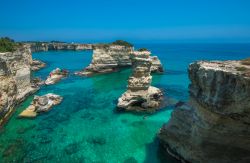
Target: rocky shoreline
x,y
15,82
37,65
214,125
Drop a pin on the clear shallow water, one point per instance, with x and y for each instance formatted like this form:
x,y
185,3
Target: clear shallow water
x,y
86,127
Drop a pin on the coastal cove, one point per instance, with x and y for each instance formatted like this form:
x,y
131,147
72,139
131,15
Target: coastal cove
x,y
86,126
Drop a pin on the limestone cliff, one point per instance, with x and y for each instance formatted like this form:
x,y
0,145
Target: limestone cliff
x,y
214,127
110,58
36,47
140,96
14,79
156,64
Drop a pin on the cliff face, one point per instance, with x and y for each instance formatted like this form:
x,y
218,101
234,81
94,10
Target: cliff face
x,y
108,59
111,58
140,96
14,79
59,46
214,126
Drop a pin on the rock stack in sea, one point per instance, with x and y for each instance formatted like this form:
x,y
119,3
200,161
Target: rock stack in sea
x,y
112,57
41,104
55,76
140,95
215,125
108,58
15,80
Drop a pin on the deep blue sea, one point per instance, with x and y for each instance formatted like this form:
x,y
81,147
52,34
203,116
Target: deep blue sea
x,y
86,127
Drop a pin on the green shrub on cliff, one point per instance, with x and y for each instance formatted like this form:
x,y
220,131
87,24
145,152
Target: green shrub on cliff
x,y
122,43
246,61
143,49
241,68
7,44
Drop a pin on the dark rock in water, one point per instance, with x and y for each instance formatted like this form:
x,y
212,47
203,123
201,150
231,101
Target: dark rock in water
x,y
36,156
85,115
97,140
25,129
44,139
124,121
61,118
137,123
130,160
72,148
13,148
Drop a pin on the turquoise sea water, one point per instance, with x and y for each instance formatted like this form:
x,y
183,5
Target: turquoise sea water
x,y
85,127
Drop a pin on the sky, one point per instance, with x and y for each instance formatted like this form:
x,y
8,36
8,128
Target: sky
x,y
132,20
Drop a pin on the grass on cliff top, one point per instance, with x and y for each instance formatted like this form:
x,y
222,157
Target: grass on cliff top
x,y
122,43
241,68
245,61
7,44
143,49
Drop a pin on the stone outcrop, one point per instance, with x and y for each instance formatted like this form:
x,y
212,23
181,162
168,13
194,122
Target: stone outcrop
x,y
37,47
41,104
214,127
140,96
37,65
15,82
110,58
55,76
156,65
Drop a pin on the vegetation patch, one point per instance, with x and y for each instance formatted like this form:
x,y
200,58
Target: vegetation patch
x,y
143,49
122,43
7,44
246,61
241,68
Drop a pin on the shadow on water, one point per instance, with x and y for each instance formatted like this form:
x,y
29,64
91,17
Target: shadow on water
x,y
162,155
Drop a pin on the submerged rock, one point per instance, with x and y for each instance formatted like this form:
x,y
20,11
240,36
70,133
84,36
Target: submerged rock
x,y
72,148
140,96
41,104
37,65
214,126
55,76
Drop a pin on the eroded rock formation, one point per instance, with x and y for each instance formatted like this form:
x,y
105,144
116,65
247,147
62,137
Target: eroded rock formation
x,y
15,82
140,96
41,104
37,47
109,58
55,76
37,65
214,127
